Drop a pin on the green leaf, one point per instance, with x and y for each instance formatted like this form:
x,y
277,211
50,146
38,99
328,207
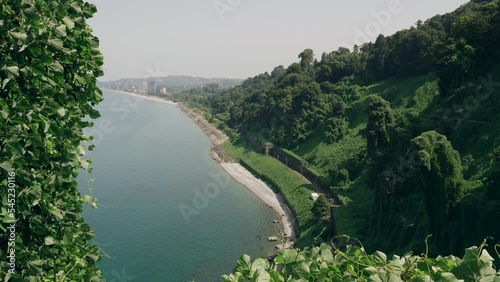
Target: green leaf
x,y
384,276
57,43
5,82
49,241
57,67
57,214
423,278
276,276
19,35
485,257
326,253
14,70
7,166
379,258
260,263
351,271
289,255
261,276
93,257
61,31
244,263
449,277
303,270
31,10
61,112
37,262
76,7
70,24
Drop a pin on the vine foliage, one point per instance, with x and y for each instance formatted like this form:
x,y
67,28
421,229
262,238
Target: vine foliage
x,y
353,264
49,63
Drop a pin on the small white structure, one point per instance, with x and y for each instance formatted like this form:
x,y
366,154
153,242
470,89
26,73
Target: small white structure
x,y
314,196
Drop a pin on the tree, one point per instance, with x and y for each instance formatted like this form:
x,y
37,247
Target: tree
x,y
306,60
380,124
378,61
278,71
49,61
454,61
321,208
336,129
441,178
493,182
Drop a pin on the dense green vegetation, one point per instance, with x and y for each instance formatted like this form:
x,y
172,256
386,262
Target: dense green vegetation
x,y
354,264
404,130
49,61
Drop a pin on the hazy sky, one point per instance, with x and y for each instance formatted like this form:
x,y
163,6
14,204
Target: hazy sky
x,y
240,38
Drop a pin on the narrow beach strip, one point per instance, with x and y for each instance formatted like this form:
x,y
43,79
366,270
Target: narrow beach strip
x,y
264,193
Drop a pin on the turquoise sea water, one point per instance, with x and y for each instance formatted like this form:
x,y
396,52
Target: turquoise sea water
x,y
149,161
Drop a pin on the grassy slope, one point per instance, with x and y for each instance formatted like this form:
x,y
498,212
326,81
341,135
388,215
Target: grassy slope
x,y
418,99
411,96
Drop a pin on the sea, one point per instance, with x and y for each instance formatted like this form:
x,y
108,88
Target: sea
x,y
165,210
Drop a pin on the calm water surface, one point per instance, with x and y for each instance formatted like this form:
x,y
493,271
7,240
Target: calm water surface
x,y
150,159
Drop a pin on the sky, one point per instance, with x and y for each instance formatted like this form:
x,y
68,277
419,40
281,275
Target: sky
x,y
240,38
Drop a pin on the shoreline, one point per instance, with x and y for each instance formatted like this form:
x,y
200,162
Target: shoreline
x,y
240,174
147,97
260,189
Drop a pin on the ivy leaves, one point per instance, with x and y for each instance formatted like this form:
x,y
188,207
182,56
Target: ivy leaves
x,y
49,62
354,264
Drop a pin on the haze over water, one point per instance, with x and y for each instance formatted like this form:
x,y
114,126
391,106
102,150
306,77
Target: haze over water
x,y
149,158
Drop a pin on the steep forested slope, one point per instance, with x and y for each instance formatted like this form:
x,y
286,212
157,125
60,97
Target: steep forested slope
x,y
405,130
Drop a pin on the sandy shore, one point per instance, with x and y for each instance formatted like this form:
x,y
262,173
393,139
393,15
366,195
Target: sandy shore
x,y
264,193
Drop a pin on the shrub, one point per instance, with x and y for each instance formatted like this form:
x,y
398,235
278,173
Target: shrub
x,y
336,129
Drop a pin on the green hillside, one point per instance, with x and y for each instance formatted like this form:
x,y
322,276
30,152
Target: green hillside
x,y
404,131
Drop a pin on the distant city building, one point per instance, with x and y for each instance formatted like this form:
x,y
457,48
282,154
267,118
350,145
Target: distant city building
x,y
143,88
152,87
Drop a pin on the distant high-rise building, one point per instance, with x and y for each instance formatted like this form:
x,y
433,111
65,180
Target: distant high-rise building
x,y
152,87
143,88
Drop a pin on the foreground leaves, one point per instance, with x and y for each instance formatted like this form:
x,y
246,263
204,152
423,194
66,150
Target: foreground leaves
x,y
354,264
49,62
